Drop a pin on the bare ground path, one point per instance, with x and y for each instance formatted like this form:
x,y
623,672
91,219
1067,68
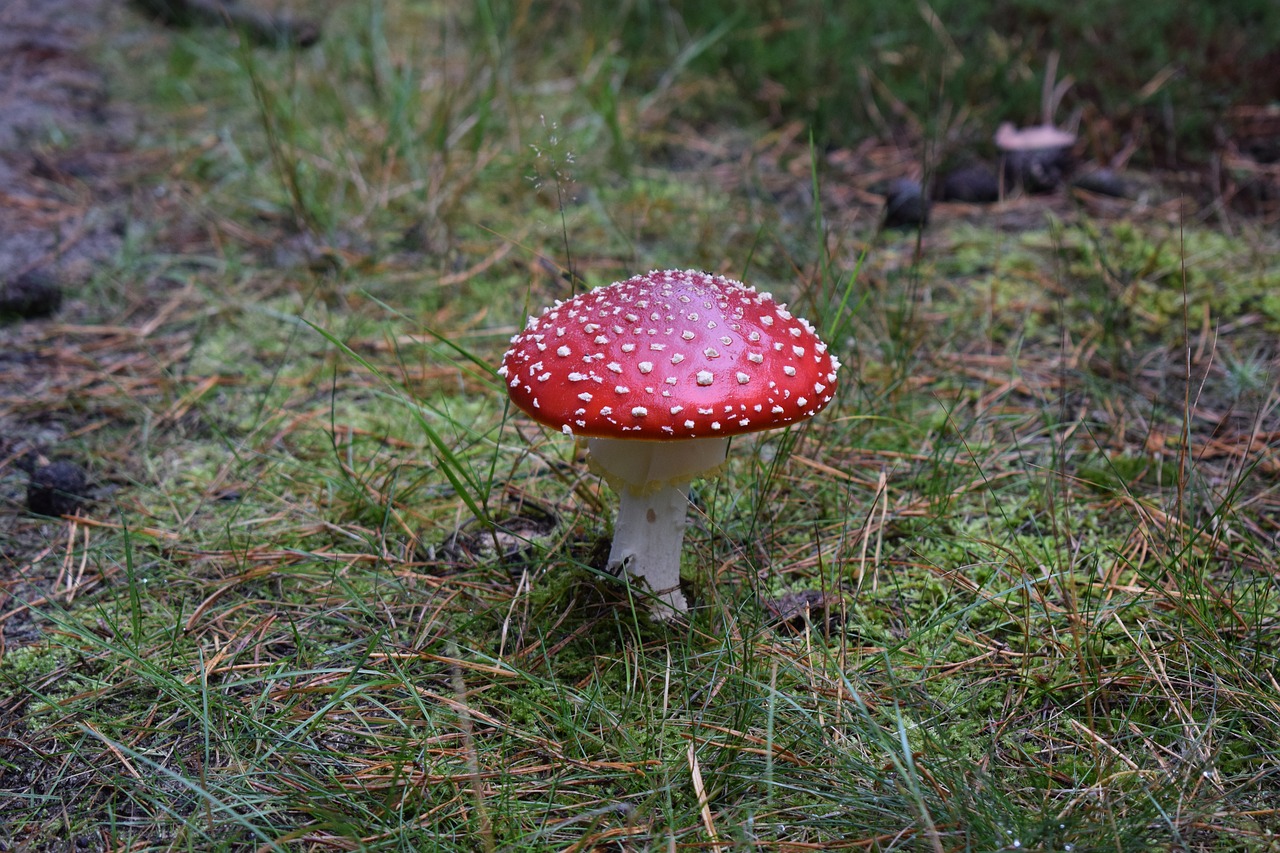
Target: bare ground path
x,y
72,185
51,93
84,347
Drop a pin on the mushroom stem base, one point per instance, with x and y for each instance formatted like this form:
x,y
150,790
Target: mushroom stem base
x,y
647,539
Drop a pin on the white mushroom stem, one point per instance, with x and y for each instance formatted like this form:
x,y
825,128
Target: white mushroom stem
x,y
652,481
648,537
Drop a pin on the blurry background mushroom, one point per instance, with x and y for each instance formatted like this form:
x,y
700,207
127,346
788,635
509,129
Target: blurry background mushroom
x,y
1035,158
657,372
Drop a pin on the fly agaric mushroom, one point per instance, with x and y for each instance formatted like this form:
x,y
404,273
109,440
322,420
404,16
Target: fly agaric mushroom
x,y
657,372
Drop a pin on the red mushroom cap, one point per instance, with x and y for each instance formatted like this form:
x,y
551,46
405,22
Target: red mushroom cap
x,y
669,355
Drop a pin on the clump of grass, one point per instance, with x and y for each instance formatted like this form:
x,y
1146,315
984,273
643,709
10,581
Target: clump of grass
x,y
952,71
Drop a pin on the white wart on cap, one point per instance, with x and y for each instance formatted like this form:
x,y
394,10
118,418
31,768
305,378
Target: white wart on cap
x,y
669,355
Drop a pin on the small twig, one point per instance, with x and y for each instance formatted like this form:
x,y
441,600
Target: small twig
x,y
700,790
459,685
115,750
1046,90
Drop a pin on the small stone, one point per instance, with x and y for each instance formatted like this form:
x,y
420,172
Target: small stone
x,y
32,295
794,610
905,205
1103,182
57,489
1038,170
976,184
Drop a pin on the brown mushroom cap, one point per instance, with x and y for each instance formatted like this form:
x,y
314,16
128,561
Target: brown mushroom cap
x,y
669,355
